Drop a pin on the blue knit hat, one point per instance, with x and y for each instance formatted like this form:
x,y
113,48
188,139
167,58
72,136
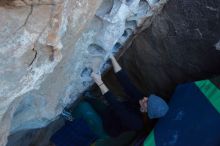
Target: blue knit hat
x,y
156,107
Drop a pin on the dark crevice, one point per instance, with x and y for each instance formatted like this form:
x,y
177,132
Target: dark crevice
x,y
86,72
95,49
28,16
35,56
116,47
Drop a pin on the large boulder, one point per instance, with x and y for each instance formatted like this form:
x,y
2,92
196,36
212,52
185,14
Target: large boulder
x,y
32,44
48,48
181,45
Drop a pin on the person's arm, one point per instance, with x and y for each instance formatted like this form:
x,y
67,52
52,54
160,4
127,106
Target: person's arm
x,y
125,82
98,80
115,64
129,118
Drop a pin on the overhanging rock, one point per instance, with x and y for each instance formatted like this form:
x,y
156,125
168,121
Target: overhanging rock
x,y
48,48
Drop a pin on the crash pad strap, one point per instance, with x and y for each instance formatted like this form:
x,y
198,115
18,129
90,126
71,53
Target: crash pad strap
x,y
211,91
150,140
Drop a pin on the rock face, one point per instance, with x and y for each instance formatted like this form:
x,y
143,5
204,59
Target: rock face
x,y
48,48
181,45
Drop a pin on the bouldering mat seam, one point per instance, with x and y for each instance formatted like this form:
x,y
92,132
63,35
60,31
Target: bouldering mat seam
x,y
150,141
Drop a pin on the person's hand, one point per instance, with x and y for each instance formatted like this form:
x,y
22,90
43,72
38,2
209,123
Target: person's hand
x,y
97,78
143,105
115,64
111,56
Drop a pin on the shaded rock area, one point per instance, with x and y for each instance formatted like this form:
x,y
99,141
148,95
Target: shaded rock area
x,y
35,137
31,46
48,49
181,45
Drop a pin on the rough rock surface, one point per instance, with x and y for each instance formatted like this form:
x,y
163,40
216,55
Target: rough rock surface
x,y
48,48
181,45
30,48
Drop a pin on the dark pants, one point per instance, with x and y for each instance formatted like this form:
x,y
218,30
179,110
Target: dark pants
x,y
122,116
